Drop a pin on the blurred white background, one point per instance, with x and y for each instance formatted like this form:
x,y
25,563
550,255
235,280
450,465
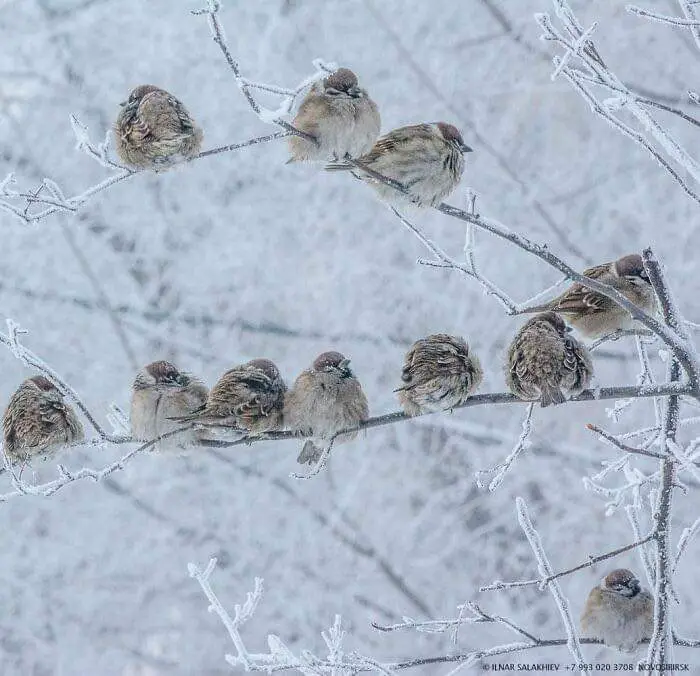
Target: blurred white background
x,y
240,256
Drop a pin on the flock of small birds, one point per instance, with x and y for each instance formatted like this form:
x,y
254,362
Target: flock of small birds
x,y
341,126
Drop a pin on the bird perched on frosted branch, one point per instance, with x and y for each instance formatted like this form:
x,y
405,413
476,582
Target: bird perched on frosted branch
x,y
325,398
340,116
161,392
545,363
426,159
439,373
38,421
596,315
249,397
619,612
154,130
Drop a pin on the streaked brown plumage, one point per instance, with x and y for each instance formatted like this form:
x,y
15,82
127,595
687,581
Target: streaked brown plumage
x,y
619,612
545,363
38,421
325,398
154,130
427,159
340,115
160,393
439,373
594,314
249,397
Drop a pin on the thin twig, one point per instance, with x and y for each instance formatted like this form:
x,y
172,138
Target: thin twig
x,y
618,444
592,560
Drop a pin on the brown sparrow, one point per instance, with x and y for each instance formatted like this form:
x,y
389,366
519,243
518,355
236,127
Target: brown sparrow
x,y
342,118
427,159
619,612
161,392
594,314
154,130
38,421
248,397
439,373
325,399
545,363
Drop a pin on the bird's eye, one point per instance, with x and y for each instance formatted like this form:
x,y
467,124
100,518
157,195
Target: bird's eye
x,y
332,92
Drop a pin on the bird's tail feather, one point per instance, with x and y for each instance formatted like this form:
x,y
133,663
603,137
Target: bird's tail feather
x,y
532,309
338,166
310,453
551,395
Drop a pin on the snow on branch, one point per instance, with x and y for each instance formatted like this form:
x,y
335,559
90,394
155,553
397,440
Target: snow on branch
x,y
689,19
279,656
33,205
69,476
591,74
543,581
545,569
31,360
522,444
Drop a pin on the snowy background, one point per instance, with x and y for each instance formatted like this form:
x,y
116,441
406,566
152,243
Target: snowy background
x,y
239,256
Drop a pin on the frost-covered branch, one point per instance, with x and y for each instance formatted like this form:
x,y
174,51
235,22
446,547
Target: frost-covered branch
x,y
52,198
659,651
478,616
689,19
28,358
469,269
598,394
593,73
542,582
70,476
545,569
681,345
264,114
19,203
614,441
522,444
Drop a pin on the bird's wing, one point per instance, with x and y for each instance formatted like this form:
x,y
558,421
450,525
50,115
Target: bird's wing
x,y
582,300
396,138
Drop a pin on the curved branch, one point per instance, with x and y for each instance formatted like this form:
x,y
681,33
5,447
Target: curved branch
x,y
598,394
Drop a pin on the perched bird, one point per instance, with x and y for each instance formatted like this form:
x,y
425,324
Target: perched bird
x,y
325,399
426,159
340,115
594,314
38,421
154,130
161,392
248,397
439,373
545,363
619,612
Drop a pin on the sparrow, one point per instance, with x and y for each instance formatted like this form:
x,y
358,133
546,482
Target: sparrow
x,y
249,397
619,612
594,314
545,363
340,115
154,130
325,398
161,392
439,373
37,421
427,159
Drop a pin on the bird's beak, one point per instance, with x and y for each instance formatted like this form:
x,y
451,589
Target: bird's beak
x,y
466,149
123,103
344,364
355,92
